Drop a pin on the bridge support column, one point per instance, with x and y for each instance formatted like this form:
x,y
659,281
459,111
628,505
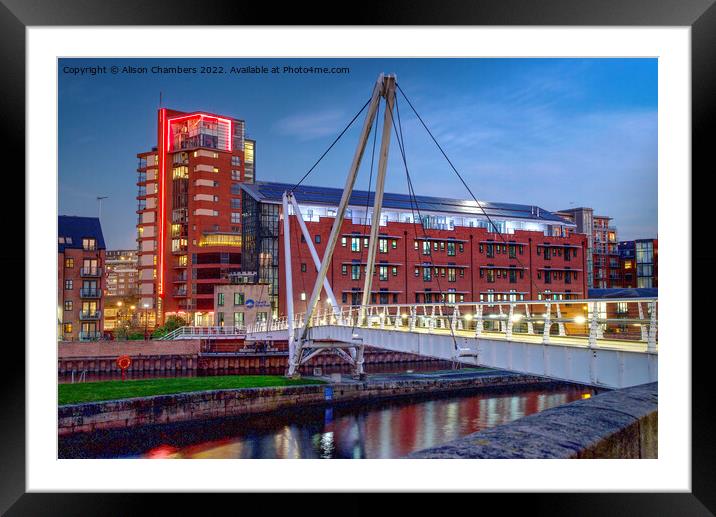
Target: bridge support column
x,y
412,317
593,327
560,323
478,321
651,342
530,325
508,331
644,330
547,323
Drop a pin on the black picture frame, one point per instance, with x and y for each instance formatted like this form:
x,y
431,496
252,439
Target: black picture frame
x,y
700,15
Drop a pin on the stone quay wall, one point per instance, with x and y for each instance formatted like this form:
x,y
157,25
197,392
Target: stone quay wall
x,y
163,409
616,424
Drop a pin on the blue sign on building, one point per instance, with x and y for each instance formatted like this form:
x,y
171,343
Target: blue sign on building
x,y
328,392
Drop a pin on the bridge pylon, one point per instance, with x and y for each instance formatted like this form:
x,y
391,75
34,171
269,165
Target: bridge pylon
x,y
301,347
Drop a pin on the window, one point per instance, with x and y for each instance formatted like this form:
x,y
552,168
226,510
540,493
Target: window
x,y
220,299
383,245
238,298
451,274
513,276
236,161
67,328
344,241
344,269
547,277
490,250
395,270
394,244
344,298
69,263
239,319
68,285
355,243
547,253
461,247
442,246
416,244
235,203
383,273
513,251
355,272
427,274
220,319
235,175
491,276
426,248
68,305
435,245
89,244
417,271
235,217
303,267
451,249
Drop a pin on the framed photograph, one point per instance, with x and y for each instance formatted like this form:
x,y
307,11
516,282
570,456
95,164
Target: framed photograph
x,y
200,194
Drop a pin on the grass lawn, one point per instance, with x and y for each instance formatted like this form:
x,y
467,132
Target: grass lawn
x,y
113,390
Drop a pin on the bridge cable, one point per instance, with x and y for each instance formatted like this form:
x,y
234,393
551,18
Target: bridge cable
x,y
489,219
330,147
413,199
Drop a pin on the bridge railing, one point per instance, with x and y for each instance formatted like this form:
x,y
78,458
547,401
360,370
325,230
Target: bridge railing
x,y
628,320
203,332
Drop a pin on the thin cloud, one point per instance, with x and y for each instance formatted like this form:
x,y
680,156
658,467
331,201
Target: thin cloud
x,y
310,126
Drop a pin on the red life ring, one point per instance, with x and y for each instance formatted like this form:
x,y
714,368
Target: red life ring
x,y
124,362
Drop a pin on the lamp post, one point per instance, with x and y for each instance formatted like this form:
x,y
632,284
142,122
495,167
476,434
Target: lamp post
x,y
146,320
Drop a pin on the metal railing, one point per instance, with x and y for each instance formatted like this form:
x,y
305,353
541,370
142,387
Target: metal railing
x,y
207,332
90,336
90,293
590,321
90,272
90,315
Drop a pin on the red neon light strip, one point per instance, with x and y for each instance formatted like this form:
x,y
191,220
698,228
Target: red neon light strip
x,y
202,116
162,153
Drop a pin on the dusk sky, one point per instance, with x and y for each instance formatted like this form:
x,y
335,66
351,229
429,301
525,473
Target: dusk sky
x,y
557,133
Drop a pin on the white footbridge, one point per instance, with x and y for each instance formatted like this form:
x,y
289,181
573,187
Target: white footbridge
x,y
609,343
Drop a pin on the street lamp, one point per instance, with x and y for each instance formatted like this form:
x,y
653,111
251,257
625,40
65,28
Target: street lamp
x,y
146,320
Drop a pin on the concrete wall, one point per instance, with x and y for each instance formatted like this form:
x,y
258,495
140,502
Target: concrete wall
x,y
162,409
615,424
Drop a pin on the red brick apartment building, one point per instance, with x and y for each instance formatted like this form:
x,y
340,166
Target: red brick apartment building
x,y
80,260
458,258
189,211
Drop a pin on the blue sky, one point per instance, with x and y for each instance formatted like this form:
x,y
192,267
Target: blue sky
x,y
557,133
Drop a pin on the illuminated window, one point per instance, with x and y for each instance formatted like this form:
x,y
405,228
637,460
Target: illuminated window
x,y
89,244
69,262
344,241
383,245
67,328
68,305
220,299
180,172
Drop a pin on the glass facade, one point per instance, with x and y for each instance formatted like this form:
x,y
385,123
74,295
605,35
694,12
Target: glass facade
x,y
259,230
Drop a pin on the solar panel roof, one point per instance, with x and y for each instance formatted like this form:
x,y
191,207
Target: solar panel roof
x,y
270,192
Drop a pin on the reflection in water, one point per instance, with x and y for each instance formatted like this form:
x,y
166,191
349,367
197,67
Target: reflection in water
x,y
380,430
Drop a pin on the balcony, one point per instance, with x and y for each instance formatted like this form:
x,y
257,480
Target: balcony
x,y
90,293
90,315
88,272
179,293
90,336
